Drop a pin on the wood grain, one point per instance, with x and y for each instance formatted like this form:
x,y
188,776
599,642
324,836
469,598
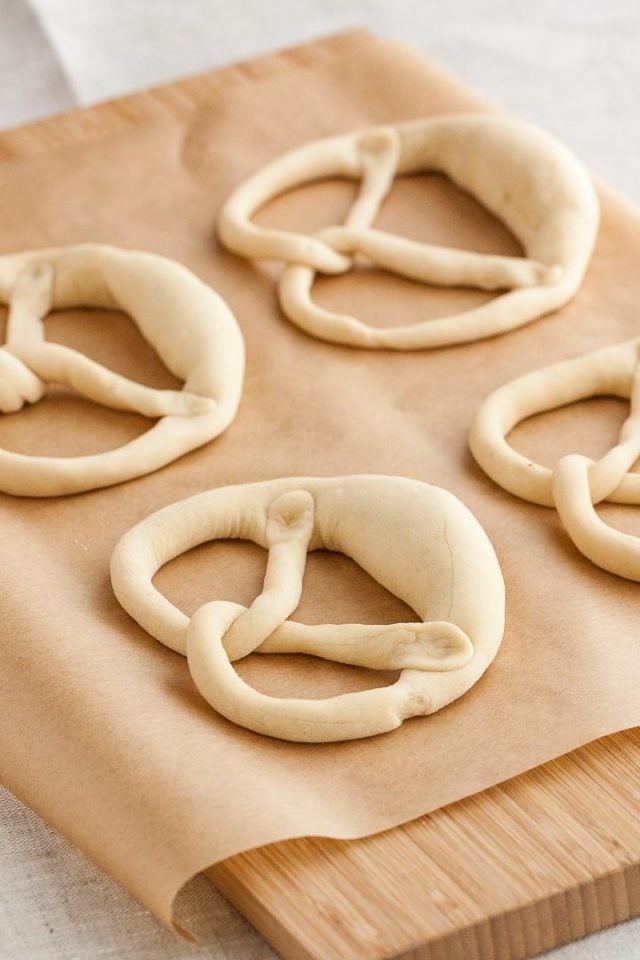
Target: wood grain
x,y
532,863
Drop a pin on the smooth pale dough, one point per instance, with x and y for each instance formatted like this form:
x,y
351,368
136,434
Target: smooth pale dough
x,y
523,175
576,483
418,541
188,324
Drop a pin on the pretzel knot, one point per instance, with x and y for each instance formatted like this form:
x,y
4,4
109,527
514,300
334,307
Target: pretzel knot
x,y
519,173
442,565
186,322
577,483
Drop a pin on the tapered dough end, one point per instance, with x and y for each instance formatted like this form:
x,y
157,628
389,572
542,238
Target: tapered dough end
x,y
34,287
436,646
379,139
18,384
290,513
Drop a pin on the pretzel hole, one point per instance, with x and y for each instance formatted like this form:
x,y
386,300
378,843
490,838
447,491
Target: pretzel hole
x,y
65,424
430,208
309,208
624,518
590,427
382,299
112,339
336,590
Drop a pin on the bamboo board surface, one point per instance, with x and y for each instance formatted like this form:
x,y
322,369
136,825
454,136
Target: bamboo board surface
x,y
538,861
535,862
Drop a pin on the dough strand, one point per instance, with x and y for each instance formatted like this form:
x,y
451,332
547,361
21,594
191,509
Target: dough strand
x,y
188,324
418,541
577,483
521,174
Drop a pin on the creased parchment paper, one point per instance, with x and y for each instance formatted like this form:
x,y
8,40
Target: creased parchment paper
x,y
101,729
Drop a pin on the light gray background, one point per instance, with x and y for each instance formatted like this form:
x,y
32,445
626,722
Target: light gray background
x,y
572,66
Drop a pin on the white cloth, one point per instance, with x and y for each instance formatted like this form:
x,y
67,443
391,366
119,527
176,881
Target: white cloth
x,y
55,904
571,66
32,79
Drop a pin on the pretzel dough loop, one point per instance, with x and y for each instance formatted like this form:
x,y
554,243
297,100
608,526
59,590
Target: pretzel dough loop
x,y
522,175
418,541
191,328
577,483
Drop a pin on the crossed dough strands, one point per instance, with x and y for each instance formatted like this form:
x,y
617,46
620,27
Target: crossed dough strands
x,y
521,174
418,541
189,325
577,482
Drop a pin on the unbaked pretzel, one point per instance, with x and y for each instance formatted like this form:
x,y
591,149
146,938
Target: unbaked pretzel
x,y
520,173
577,482
418,541
191,328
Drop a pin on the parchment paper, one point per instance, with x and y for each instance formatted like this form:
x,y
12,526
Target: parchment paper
x,y
101,728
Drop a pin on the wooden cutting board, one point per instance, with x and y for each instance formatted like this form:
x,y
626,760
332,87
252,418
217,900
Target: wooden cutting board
x,y
530,864
525,866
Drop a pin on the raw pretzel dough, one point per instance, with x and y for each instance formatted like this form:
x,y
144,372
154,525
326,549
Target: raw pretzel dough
x,y
419,541
520,173
189,325
576,483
